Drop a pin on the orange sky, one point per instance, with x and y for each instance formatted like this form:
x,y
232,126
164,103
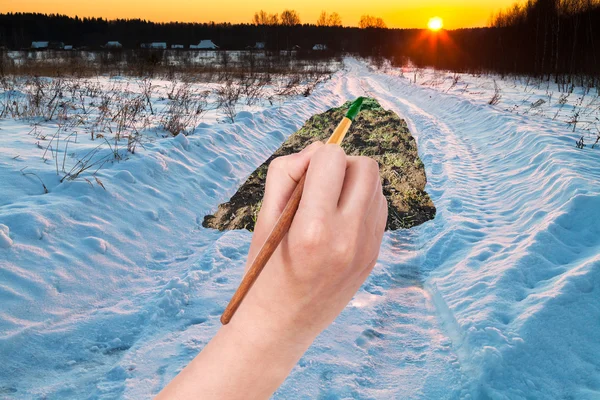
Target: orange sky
x,y
397,13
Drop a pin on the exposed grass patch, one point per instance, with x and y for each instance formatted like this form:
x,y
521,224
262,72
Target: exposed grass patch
x,y
376,133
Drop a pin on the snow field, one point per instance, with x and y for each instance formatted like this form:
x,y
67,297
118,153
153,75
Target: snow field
x,y
109,293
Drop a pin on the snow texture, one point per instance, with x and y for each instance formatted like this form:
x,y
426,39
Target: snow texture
x,y
108,293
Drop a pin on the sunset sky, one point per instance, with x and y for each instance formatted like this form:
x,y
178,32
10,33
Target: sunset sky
x,y
397,14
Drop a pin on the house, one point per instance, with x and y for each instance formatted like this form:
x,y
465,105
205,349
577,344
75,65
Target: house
x,y
113,45
319,47
177,46
39,45
205,45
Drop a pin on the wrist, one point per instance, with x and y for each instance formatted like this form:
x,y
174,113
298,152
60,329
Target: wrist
x,y
248,358
259,353
271,328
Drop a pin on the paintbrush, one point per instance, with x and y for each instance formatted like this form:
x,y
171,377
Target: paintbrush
x,y
283,223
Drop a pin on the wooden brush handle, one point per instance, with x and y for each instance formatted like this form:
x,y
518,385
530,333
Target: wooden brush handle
x,y
279,230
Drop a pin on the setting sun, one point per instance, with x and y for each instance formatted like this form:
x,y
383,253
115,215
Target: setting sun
x,y
435,23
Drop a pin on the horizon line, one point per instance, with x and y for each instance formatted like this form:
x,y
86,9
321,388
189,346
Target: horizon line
x,y
75,16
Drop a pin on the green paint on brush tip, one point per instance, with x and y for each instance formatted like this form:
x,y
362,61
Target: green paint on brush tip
x,y
354,108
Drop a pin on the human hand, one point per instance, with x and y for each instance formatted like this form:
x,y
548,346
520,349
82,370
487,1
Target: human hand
x,y
331,246
329,251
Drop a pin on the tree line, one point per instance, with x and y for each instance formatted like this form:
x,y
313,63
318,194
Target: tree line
x,y
549,37
19,30
558,39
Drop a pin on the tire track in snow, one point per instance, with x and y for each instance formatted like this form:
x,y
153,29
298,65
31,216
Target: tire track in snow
x,y
445,177
512,247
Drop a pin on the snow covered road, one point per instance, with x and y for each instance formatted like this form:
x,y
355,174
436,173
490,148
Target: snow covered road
x,y
497,298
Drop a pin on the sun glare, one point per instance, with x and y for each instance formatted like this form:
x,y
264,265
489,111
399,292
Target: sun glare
x,y
435,24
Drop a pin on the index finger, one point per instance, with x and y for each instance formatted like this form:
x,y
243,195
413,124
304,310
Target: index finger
x,y
361,184
324,180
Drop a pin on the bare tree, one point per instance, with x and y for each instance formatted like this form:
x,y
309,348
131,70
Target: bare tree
x,y
368,21
323,19
332,19
263,18
260,18
273,19
290,18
